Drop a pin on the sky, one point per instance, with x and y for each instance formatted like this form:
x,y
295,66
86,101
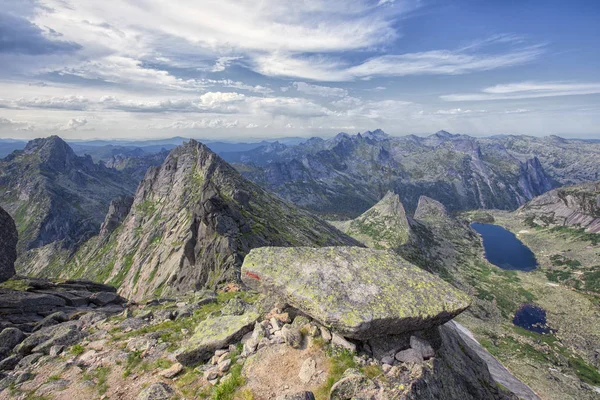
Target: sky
x,y
241,69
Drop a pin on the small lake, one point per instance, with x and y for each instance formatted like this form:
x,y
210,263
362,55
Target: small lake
x,y
532,318
504,249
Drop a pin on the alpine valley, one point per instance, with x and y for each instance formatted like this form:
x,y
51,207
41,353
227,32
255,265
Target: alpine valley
x,y
342,268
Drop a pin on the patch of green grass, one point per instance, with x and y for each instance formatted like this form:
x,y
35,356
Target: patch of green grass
x,y
99,377
77,349
372,371
54,378
339,361
584,371
227,388
134,359
15,284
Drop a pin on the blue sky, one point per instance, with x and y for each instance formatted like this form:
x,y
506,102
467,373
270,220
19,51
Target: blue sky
x,y
256,69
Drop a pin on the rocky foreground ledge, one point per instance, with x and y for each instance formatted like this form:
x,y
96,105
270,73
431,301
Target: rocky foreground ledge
x,y
333,323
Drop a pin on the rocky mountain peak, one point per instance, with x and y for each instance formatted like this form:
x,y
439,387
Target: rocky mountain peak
x,y
430,208
444,134
383,226
53,152
376,134
193,220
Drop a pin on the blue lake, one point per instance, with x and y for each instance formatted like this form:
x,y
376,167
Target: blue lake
x,y
504,249
532,318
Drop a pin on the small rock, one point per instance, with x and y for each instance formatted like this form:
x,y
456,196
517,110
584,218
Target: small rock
x,y
275,324
56,350
156,391
224,365
325,334
292,336
172,371
386,368
409,356
307,370
104,298
339,340
300,321
422,346
211,374
220,352
10,363
29,360
297,396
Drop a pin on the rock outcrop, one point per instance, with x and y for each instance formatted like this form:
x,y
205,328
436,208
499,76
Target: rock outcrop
x,y
8,246
192,221
57,199
27,309
383,226
117,211
430,208
360,293
575,206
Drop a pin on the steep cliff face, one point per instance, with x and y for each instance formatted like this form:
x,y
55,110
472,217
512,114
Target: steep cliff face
x,y
347,174
577,206
58,199
192,221
8,246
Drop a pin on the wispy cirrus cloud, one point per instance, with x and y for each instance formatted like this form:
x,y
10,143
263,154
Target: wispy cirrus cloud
x,y
527,90
436,62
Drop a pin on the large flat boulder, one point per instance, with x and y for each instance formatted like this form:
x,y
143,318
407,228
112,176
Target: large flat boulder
x,y
8,245
360,293
215,333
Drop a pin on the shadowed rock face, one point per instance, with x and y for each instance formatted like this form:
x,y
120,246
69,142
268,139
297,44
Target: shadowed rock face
x,y
360,293
577,206
8,246
192,221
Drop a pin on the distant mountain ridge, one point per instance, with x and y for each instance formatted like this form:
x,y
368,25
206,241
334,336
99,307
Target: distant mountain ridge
x,y
347,174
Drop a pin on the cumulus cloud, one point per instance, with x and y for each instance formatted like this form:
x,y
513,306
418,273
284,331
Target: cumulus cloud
x,y
74,124
198,124
527,90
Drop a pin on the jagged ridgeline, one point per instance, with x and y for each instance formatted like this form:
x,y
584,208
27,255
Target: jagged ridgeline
x,y
192,221
58,199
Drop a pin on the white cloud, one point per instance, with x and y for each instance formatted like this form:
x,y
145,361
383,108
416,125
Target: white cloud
x,y
222,63
526,90
10,124
74,124
317,90
437,62
64,102
251,126
198,124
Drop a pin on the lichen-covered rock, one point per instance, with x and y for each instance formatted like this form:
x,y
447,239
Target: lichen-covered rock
x,y
41,341
360,293
215,333
8,245
297,396
156,391
353,385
